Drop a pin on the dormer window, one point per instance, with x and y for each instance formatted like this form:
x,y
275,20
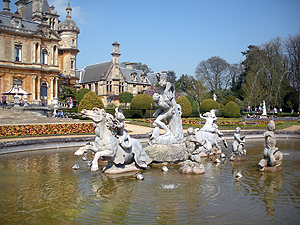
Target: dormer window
x,y
134,77
18,53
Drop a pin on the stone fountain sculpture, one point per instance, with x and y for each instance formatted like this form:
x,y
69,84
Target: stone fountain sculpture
x,y
169,146
113,144
210,133
238,153
272,160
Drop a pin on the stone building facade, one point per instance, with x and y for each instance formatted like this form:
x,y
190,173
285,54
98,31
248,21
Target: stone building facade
x,y
108,79
37,51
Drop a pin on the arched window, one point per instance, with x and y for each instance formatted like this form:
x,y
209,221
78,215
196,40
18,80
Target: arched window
x,y
44,87
44,57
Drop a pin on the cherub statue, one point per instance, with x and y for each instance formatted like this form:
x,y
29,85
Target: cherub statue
x,y
119,125
211,126
238,153
239,141
272,156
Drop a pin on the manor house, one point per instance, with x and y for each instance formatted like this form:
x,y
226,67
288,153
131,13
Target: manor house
x,y
37,51
108,79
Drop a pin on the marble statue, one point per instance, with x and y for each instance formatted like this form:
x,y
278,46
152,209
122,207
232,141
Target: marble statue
x,y
211,134
215,97
168,115
192,163
272,160
238,153
264,109
169,146
113,144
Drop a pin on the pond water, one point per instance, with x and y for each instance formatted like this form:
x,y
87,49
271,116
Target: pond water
x,y
40,187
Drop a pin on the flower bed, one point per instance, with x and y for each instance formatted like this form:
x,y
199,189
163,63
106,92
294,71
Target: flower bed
x,y
222,123
47,129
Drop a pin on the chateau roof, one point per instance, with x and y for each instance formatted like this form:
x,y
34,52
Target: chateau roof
x,y
68,25
96,72
26,24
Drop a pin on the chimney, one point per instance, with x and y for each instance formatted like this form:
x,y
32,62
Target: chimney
x,y
21,8
129,65
6,5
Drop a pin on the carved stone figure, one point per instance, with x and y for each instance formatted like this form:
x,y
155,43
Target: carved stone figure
x,y
211,134
238,153
264,109
192,163
272,156
112,144
168,115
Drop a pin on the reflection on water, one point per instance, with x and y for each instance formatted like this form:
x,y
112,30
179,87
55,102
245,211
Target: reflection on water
x,y
41,187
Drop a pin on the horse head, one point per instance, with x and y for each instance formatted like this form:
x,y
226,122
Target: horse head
x,y
96,114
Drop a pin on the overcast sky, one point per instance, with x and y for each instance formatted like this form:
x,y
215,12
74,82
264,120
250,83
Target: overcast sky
x,y
176,34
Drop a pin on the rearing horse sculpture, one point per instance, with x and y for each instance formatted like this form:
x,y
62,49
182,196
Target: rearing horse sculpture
x,y
106,144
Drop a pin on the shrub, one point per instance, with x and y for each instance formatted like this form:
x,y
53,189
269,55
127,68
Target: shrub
x,y
80,93
125,97
231,110
111,106
89,101
228,99
142,102
208,104
186,106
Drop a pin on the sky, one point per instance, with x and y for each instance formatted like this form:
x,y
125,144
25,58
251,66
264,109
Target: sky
x,y
176,34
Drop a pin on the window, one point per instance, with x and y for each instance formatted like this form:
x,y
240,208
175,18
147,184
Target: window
x,y
108,86
72,64
18,53
16,24
44,57
121,87
134,89
44,91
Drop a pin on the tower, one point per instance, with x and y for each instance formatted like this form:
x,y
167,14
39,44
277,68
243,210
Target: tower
x,y
116,60
68,32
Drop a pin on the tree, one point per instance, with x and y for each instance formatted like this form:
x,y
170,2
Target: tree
x,y
188,85
141,102
151,90
214,72
80,93
266,69
139,66
171,76
89,101
186,106
125,97
292,46
65,93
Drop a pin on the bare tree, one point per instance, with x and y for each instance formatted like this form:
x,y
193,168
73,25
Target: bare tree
x,y
292,46
214,73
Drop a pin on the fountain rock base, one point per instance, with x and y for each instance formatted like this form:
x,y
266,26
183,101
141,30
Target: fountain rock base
x,y
238,156
190,167
161,153
111,168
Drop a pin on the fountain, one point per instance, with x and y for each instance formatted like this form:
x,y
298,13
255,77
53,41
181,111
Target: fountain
x,y
41,187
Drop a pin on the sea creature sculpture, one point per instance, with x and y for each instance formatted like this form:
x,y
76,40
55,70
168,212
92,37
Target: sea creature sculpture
x,y
112,144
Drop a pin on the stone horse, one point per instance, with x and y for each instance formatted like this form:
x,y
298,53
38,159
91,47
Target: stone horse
x,y
106,146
